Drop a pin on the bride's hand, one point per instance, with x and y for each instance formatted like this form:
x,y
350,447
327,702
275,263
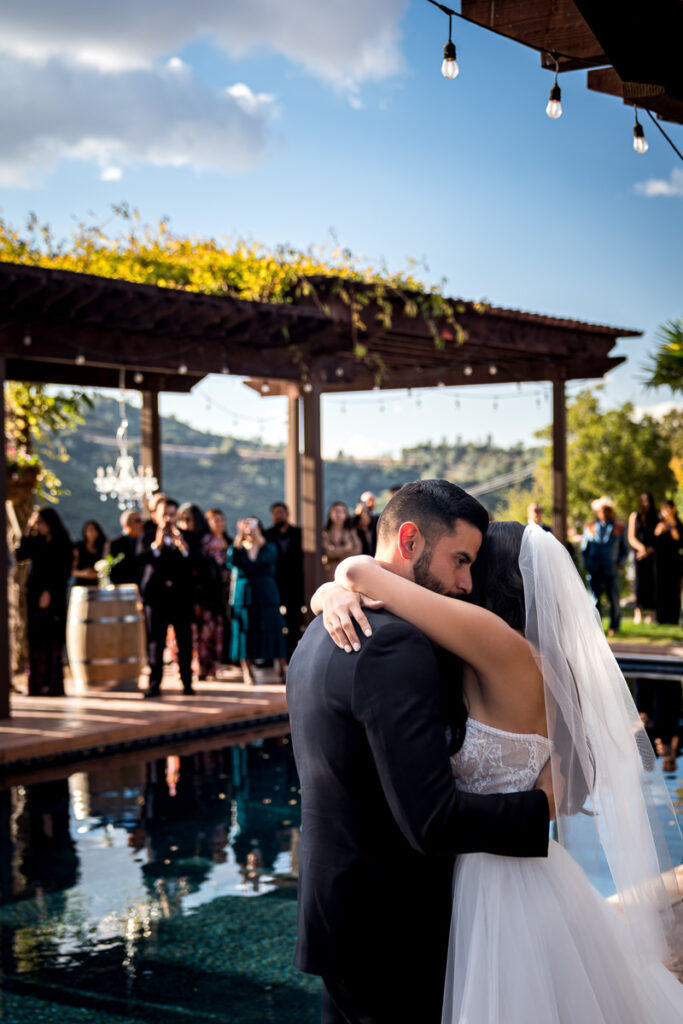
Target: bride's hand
x,y
339,607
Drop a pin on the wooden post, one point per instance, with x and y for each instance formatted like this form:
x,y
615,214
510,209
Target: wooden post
x,y
293,460
5,671
150,431
559,462
311,493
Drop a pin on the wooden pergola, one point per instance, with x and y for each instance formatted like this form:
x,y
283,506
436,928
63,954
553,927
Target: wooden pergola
x,y
75,329
629,50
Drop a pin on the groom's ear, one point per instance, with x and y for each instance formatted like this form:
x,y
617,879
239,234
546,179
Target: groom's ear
x,y
409,541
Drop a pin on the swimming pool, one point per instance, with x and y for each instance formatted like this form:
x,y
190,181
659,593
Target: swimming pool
x,y
158,887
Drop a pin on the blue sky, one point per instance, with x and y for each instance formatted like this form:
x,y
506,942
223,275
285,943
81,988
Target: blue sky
x,y
286,123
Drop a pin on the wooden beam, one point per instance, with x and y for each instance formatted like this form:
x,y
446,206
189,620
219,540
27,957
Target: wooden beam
x,y
311,492
150,431
293,460
559,461
5,671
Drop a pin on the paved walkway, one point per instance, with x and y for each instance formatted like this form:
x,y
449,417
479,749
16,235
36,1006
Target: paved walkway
x,y
79,725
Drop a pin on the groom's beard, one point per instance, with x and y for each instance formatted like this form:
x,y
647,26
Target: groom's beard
x,y
423,575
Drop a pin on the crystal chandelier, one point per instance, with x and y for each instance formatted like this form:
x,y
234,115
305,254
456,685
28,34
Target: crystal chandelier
x,y
123,482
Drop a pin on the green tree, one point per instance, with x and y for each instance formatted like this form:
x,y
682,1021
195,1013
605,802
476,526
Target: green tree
x,y
666,366
35,424
610,453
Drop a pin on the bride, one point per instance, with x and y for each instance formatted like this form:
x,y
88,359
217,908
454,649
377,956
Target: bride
x,y
532,940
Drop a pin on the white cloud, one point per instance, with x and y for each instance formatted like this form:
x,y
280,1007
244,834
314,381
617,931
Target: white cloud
x,y
154,116
342,41
657,411
655,187
111,173
102,82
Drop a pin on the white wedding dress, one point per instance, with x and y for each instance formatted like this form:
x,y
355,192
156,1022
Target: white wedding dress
x,y
532,942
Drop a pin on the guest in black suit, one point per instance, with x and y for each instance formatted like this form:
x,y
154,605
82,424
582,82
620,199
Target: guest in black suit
x,y
167,594
381,817
290,570
129,569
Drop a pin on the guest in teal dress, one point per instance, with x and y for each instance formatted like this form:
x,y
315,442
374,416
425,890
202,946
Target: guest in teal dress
x,y
257,623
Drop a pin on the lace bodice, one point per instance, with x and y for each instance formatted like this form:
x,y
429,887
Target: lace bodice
x,y
493,761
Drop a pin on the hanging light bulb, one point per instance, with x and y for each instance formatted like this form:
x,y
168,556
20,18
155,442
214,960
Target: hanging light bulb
x,y
265,387
554,107
467,370
138,377
639,140
27,339
80,359
182,369
225,368
449,66
493,369
308,387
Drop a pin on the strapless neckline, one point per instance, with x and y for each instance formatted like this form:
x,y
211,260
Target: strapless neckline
x,y
505,732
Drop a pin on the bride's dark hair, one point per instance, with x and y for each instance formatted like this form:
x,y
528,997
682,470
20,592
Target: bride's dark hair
x,y
498,582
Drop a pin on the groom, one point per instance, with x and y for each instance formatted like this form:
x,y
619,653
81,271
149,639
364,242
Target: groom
x,y
381,817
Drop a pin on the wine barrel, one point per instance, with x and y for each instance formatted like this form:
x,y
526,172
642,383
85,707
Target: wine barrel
x,y
105,636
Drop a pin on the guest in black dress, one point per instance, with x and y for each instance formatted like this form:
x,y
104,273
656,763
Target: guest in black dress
x,y
129,569
88,550
362,523
48,547
290,570
641,537
668,541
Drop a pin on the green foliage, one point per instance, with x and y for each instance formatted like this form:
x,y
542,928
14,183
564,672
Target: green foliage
x,y
610,453
666,366
241,269
35,426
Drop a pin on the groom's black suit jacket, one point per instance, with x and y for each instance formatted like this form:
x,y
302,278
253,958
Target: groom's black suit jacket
x,y
381,817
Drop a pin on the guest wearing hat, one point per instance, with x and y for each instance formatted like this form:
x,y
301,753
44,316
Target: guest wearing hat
x,y
604,552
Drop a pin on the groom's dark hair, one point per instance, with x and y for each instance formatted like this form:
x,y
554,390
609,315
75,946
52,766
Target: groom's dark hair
x,y
434,506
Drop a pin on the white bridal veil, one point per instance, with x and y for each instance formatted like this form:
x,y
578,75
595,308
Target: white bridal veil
x,y
612,801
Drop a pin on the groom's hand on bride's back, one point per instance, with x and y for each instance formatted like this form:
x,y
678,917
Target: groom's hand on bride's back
x,y
545,782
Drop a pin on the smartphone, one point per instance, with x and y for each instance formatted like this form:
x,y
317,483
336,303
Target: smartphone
x,y
252,523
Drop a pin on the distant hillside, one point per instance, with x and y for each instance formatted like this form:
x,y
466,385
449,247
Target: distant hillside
x,y
243,477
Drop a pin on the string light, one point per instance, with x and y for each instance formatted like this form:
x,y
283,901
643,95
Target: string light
x,y
449,65
639,141
225,368
80,359
138,377
265,387
27,340
308,387
182,369
467,370
339,371
554,107
493,369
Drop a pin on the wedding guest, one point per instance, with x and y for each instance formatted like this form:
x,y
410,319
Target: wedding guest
x,y
338,539
257,623
48,547
668,541
534,514
208,590
368,499
166,589
218,549
604,553
362,523
88,550
290,570
129,569
641,538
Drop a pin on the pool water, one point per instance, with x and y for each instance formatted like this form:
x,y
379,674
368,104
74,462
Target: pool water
x,y
160,887
155,890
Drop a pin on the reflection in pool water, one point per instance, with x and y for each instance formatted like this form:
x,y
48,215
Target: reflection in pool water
x,y
159,890
156,890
